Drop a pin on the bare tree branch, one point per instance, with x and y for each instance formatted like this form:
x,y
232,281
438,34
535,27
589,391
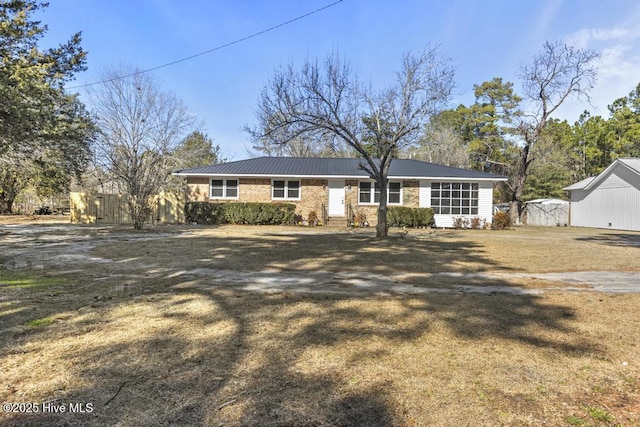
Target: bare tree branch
x,y
139,126
326,98
555,74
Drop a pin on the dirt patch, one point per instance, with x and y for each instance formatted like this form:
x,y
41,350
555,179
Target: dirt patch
x,y
35,219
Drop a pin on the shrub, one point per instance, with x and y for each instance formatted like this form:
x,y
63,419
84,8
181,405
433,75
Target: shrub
x,y
312,218
478,224
400,216
202,213
501,221
239,213
460,222
360,218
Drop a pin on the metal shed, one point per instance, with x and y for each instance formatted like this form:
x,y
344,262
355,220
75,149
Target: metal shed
x,y
609,200
547,212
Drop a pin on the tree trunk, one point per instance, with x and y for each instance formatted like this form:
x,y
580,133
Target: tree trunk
x,y
137,212
7,197
382,228
515,205
6,204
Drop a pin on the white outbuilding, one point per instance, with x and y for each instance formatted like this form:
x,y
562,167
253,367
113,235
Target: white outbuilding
x,y
547,212
609,200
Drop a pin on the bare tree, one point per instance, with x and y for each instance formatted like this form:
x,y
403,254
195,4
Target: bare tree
x,y
325,99
139,126
311,144
556,74
441,144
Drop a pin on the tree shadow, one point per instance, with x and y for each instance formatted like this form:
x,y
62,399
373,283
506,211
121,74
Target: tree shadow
x,y
201,352
614,239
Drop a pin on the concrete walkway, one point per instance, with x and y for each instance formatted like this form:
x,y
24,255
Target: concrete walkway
x,y
356,282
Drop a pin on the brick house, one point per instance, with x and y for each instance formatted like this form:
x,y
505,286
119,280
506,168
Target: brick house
x,y
336,188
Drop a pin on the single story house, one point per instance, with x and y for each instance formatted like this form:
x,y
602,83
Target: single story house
x,y
338,187
609,200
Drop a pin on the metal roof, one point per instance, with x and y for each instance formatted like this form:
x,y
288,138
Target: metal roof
x,y
580,185
631,163
332,167
547,202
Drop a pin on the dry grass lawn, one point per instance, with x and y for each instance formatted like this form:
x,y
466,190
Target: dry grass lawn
x,y
146,327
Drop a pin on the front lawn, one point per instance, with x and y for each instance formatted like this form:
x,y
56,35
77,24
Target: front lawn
x,y
150,329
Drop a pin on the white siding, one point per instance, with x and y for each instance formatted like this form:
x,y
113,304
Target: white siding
x,y
614,203
425,194
485,202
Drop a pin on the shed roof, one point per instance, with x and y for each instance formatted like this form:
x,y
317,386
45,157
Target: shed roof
x,y
332,167
547,202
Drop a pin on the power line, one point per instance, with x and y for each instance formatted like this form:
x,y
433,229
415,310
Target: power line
x,y
282,24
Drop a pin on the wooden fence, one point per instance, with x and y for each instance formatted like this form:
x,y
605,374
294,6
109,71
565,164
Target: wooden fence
x,y
98,208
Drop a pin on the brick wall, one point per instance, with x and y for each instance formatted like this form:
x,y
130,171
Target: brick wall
x,y
313,194
197,189
411,193
254,190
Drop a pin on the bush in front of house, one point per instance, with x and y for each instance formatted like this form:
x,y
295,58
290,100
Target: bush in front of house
x,y
239,213
501,221
202,213
400,216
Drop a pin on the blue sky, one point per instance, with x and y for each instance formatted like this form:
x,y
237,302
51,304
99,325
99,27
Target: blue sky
x,y
483,40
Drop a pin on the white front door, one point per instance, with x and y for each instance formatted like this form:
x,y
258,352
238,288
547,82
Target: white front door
x,y
336,197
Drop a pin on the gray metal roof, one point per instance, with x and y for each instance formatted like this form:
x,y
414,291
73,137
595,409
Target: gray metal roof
x,y
332,167
632,163
580,185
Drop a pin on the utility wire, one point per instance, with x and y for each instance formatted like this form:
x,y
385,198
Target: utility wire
x,y
210,50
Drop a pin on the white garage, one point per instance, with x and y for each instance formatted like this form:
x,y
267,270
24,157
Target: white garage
x,y
609,200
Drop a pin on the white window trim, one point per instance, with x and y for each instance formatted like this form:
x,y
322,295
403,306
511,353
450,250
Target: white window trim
x,y
372,192
224,188
286,189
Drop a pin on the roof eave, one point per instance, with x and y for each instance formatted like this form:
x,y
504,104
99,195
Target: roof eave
x,y
602,174
453,178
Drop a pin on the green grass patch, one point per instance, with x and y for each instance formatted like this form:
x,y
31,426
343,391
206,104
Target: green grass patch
x,y
11,279
599,414
45,321
576,421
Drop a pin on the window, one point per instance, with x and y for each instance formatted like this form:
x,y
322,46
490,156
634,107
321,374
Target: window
x,y
285,189
394,193
457,198
224,188
369,193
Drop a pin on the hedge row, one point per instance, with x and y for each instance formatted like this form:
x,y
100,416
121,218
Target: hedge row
x,y
239,213
398,216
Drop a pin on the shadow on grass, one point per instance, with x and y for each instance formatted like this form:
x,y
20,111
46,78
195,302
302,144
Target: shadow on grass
x,y
191,351
614,239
